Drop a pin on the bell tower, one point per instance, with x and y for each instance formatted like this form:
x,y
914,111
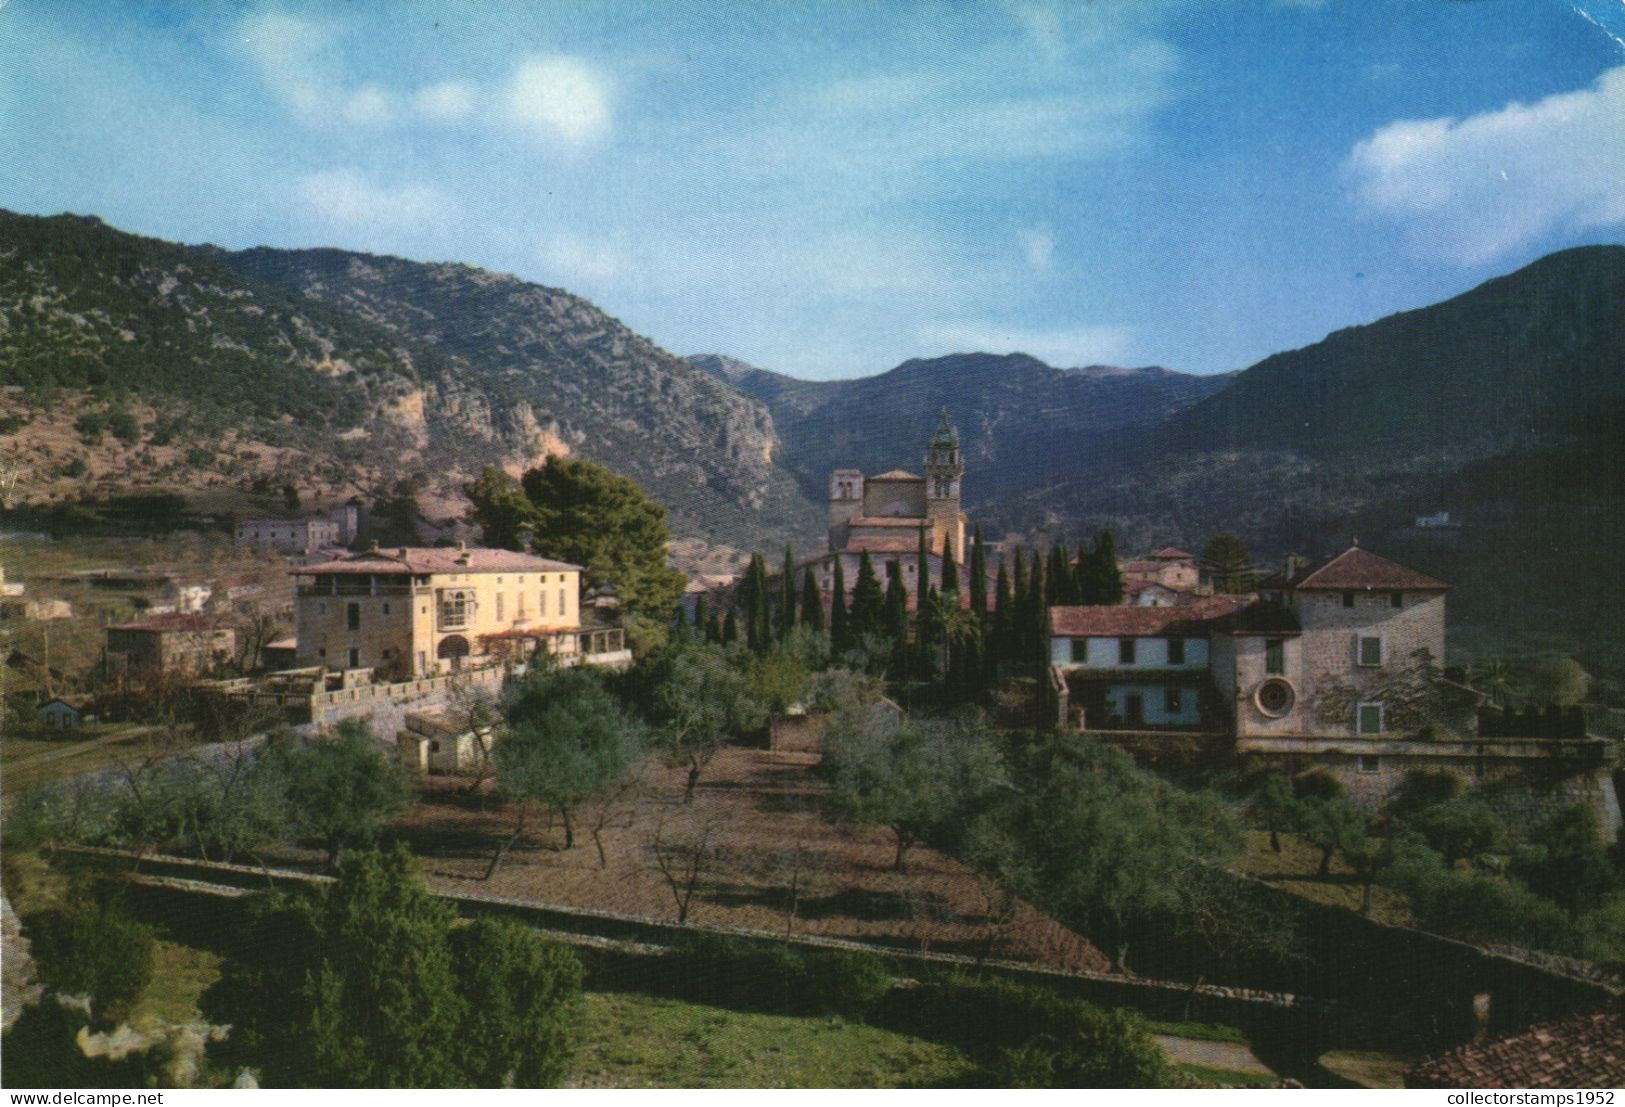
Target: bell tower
x,y
944,468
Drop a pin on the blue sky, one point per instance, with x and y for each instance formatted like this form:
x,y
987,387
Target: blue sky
x,y
829,189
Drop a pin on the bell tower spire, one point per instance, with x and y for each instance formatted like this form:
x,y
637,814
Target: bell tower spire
x,y
944,468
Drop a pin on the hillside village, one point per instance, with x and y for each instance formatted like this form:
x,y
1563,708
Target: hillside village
x,y
828,734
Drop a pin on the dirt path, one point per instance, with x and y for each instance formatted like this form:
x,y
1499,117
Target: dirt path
x,y
1231,1056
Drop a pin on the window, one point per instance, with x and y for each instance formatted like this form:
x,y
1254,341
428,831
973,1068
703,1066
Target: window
x,y
352,616
1370,654
1080,650
561,601
1176,651
322,652
1396,599
1173,700
355,658
1275,656
1348,599
500,598
321,608
386,607
1370,718
1125,651
1134,709
1370,763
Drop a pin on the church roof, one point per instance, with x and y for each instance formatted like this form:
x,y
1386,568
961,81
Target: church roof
x,y
897,474
946,434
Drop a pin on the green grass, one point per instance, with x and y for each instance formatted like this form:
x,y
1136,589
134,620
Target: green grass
x,y
1198,1031
180,974
1202,1074
637,1041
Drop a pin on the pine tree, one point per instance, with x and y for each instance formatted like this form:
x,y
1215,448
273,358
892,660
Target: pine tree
x,y
867,600
978,576
812,603
840,631
787,595
950,568
1229,563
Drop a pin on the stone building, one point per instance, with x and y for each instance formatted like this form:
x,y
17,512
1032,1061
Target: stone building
x,y
173,644
1169,569
298,536
1336,666
884,516
413,612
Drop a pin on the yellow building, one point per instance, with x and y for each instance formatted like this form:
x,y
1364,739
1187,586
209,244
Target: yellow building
x,y
413,612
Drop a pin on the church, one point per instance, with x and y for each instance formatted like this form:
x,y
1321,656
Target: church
x,y
884,515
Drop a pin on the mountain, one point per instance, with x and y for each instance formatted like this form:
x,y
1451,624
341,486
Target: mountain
x,y
1022,423
1372,415
342,372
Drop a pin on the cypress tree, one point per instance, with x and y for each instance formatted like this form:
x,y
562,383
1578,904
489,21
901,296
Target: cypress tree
x,y
978,576
699,611
950,568
1018,586
713,628
895,611
1036,613
840,636
922,558
1058,579
1109,575
730,629
867,600
787,595
812,602
1003,609
758,626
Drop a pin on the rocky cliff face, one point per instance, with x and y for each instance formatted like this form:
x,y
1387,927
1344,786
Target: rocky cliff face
x,y
350,372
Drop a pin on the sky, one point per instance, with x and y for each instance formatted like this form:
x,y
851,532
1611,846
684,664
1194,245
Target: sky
x,y
829,189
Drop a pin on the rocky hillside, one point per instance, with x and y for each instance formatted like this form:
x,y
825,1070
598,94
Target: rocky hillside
x,y
1023,424
343,373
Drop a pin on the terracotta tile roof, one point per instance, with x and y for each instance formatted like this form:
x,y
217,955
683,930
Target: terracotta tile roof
x,y
1172,553
1354,570
1141,622
438,559
1585,1051
897,474
170,621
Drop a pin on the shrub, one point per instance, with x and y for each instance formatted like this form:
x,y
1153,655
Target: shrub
x,y
11,424
845,983
94,949
90,425
125,427
722,971
1031,1037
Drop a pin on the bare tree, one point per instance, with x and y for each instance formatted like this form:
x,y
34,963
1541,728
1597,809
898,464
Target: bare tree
x,y
682,861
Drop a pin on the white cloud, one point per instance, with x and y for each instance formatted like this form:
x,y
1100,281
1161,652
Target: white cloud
x,y
559,98
1474,189
1063,348
1038,243
287,51
348,197
446,102
571,257
368,105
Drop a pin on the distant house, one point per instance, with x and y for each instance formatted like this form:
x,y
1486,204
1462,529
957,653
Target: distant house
x,y
187,596
281,654
1172,569
38,611
301,536
174,644
443,739
1436,520
10,588
62,714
